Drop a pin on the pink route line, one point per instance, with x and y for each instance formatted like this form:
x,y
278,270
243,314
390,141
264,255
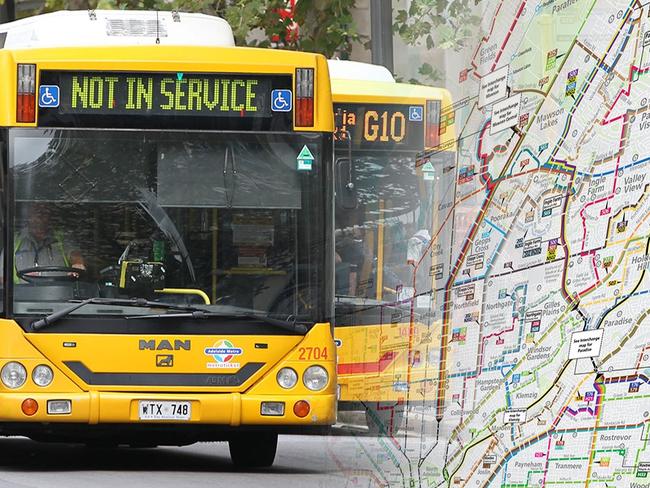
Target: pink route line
x,y
609,197
479,365
505,41
494,334
548,455
624,117
485,39
512,28
636,229
572,413
593,262
623,91
600,200
484,174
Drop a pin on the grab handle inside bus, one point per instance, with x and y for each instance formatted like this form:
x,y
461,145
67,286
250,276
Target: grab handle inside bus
x,y
345,188
346,191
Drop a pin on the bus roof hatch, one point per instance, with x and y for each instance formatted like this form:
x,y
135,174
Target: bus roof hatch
x,y
116,28
354,70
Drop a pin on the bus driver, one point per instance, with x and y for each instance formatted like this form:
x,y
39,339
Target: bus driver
x,y
38,244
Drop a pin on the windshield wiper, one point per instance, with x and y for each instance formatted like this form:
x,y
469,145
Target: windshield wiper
x,y
290,325
130,302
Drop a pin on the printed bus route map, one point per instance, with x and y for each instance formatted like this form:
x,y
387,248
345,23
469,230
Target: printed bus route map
x,y
539,371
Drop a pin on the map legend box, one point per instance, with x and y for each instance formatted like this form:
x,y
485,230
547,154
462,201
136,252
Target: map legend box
x,y
494,87
585,344
514,416
505,114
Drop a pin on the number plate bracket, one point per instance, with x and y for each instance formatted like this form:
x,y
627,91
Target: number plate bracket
x,y
164,410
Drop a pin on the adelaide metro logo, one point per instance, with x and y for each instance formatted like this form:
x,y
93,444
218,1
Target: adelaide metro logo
x,y
223,352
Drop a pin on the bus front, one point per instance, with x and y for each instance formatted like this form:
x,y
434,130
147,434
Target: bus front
x,y
168,246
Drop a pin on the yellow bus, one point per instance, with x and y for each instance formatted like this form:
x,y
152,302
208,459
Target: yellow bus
x,y
389,205
167,235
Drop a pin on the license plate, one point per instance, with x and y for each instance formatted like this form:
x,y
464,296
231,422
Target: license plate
x,y
164,410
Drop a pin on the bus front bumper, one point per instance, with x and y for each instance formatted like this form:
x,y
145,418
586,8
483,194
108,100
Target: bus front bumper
x,y
223,409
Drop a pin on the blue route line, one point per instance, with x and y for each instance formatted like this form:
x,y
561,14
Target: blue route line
x,y
585,85
612,171
467,374
518,309
488,265
524,150
606,68
495,227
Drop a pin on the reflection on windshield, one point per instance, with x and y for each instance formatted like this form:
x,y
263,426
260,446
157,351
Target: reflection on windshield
x,y
224,219
373,240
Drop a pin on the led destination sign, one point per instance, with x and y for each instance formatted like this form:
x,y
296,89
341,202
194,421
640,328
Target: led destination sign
x,y
379,126
96,98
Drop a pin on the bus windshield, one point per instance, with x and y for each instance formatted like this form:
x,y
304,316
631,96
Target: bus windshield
x,y
372,240
192,217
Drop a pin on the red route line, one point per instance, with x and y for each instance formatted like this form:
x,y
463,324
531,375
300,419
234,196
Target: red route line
x,y
468,241
485,158
491,184
482,349
368,367
604,122
485,39
512,28
593,263
598,405
446,319
572,430
636,229
505,41
600,200
481,354
548,460
625,92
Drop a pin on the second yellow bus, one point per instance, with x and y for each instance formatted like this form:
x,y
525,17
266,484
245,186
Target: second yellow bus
x,y
386,215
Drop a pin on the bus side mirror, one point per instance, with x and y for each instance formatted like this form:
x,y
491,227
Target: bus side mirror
x,y
346,190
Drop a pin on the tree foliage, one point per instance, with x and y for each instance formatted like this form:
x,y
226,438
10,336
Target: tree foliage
x,y
442,24
324,26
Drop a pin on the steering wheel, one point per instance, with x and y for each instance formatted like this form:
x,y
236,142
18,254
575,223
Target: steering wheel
x,y
71,274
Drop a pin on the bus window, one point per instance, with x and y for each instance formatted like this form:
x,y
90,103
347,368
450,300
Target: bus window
x,y
93,200
371,240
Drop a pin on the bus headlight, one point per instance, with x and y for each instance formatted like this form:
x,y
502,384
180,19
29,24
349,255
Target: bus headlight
x,y
287,378
42,375
315,378
13,375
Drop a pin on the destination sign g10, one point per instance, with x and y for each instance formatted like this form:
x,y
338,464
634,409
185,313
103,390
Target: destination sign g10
x,y
131,95
379,126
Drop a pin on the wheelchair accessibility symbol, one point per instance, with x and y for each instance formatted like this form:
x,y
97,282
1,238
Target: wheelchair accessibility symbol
x,y
48,96
415,113
281,100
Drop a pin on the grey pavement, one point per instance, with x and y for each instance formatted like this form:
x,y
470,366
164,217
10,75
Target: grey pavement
x,y
302,461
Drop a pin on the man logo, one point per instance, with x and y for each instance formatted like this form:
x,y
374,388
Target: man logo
x,y
164,345
165,360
